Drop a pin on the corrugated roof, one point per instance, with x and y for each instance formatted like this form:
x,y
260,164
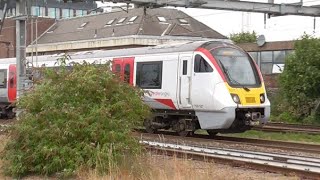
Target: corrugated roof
x,y
145,24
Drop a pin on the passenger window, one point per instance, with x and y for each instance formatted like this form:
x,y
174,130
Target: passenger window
x,y
184,70
118,68
149,75
201,65
3,78
127,73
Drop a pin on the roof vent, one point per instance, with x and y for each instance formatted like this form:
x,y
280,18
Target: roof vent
x,y
109,23
82,25
161,19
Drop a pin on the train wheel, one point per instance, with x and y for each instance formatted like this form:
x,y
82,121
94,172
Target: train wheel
x,y
212,133
147,124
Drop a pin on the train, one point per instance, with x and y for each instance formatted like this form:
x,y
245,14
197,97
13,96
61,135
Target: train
x,y
211,85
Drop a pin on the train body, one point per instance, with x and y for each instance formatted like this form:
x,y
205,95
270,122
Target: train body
x,y
211,85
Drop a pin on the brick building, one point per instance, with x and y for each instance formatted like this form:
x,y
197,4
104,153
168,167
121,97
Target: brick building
x,y
8,34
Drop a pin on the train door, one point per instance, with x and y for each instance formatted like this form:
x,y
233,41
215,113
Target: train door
x,y
124,68
202,87
184,81
12,83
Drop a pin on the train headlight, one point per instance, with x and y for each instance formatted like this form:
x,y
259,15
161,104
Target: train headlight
x,y
235,98
262,98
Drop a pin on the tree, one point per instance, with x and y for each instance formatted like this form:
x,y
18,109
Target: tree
x,y
78,118
244,37
300,80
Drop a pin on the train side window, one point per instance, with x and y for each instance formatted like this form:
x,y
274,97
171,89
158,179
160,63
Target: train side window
x,y
184,68
127,73
3,78
201,65
149,75
118,68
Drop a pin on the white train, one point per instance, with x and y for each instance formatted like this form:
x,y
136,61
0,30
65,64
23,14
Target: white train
x,y
210,85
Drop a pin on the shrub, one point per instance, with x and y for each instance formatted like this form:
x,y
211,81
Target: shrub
x,y
299,82
79,118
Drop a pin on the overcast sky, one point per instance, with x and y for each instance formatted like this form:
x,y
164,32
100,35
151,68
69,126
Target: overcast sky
x,y
277,28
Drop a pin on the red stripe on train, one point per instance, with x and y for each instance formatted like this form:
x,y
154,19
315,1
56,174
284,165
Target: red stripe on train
x,y
213,61
167,102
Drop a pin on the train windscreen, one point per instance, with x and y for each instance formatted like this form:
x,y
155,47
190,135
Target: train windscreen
x,y
237,67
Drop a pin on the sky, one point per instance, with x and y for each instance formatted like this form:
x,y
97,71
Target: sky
x,y
277,28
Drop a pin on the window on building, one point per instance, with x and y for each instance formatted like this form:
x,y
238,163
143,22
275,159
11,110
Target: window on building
x,y
266,56
201,65
288,52
58,13
85,12
110,22
52,12
254,56
121,20
266,68
83,25
42,11
35,11
279,57
71,13
149,75
79,13
65,13
183,21
133,19
3,78
161,19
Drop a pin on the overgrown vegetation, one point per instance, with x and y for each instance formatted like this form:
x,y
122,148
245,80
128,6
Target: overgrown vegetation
x,y
244,37
75,119
299,96
294,137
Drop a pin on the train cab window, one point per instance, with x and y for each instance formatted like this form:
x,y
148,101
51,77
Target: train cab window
x,y
149,75
127,73
201,65
3,78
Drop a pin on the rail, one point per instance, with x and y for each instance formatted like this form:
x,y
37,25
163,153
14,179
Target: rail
x,y
304,167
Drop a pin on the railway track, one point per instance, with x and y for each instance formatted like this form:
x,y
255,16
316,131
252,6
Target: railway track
x,y
303,167
205,139
292,128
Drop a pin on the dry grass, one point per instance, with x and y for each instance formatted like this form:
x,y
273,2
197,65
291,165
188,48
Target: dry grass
x,y
161,167
158,167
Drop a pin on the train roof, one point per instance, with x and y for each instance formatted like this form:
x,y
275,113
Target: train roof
x,y
165,48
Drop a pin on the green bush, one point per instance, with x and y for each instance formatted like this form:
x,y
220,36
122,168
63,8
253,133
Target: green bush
x,y
79,118
244,37
299,82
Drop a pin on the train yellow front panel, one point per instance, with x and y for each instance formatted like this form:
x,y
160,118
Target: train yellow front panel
x,y
251,97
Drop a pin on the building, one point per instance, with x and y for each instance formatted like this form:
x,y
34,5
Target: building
x,y
270,57
120,29
42,16
55,8
34,28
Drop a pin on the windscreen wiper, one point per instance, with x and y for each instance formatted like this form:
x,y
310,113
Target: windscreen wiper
x,y
226,71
